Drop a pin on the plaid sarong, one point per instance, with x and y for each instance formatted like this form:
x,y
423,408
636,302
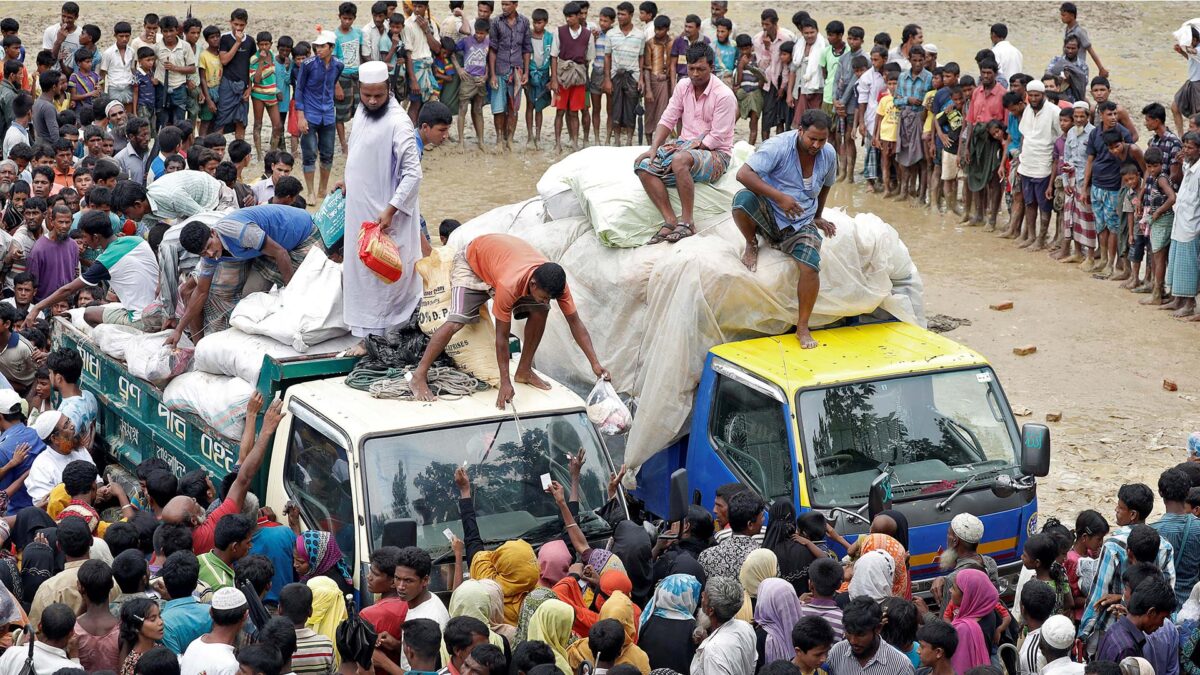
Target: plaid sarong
x,y
707,165
1078,218
803,244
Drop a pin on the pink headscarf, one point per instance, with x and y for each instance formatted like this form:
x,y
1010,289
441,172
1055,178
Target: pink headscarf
x,y
553,561
979,598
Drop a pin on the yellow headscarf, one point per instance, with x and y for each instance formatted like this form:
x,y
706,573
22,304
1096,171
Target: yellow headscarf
x,y
760,564
472,599
619,607
514,566
329,610
551,623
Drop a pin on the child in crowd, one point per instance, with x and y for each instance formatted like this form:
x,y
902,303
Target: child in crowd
x,y
888,121
392,51
825,576
39,394
1090,531
84,82
1041,557
600,101
283,82
1129,209
1158,216
660,72
936,643
264,93
537,91
948,124
210,66
446,74
812,638
143,86
471,60
750,80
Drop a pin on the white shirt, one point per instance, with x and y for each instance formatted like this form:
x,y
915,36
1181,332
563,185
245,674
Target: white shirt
x,y
1063,666
15,134
730,650
432,609
370,42
263,191
1029,659
47,470
1008,58
1187,205
46,659
117,68
1039,130
69,45
202,658
415,40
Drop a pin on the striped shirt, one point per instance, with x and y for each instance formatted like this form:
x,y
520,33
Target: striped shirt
x,y
827,609
214,575
183,194
1183,531
1113,561
314,652
1029,659
887,661
625,49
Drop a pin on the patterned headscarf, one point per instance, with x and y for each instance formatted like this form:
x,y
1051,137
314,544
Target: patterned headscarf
x,y
676,597
321,551
83,511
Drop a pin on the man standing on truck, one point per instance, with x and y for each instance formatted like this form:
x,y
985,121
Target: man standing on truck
x,y
522,283
786,181
270,239
383,172
129,267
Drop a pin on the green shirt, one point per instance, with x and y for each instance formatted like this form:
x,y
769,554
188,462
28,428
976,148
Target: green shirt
x,y
214,575
829,61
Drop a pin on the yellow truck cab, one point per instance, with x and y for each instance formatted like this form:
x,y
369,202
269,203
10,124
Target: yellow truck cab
x,y
887,408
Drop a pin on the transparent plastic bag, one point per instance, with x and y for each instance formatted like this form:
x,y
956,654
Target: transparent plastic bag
x,y
606,410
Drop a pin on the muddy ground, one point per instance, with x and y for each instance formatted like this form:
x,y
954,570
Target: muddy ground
x,y
1101,358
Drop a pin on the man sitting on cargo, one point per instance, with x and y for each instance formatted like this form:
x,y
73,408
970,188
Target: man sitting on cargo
x,y
522,283
786,182
271,239
129,267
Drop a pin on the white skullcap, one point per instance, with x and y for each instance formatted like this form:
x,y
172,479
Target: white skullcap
x,y
1059,632
46,422
929,48
1035,85
112,105
228,598
1082,105
373,72
967,528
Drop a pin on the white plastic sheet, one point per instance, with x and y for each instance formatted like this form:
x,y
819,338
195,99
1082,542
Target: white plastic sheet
x,y
234,353
306,312
654,311
217,399
112,338
147,356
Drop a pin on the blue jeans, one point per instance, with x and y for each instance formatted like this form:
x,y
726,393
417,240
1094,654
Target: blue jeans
x,y
174,106
320,138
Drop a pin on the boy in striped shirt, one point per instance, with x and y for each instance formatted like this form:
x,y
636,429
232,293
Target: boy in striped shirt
x,y
314,651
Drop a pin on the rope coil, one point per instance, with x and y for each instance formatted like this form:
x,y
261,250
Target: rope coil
x,y
393,383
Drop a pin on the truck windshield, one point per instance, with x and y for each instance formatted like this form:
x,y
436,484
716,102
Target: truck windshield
x,y
412,476
936,430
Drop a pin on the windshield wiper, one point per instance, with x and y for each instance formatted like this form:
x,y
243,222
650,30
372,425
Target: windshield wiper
x,y
967,435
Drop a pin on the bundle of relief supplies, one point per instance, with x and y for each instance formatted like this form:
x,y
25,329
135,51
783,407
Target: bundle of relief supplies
x,y
379,253
606,410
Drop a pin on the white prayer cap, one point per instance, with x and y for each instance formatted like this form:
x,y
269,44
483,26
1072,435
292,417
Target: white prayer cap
x,y
965,526
113,105
373,72
1035,85
929,48
1058,632
325,37
1082,105
46,422
228,598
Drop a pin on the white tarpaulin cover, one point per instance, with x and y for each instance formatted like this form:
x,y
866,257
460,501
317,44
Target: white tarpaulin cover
x,y
654,311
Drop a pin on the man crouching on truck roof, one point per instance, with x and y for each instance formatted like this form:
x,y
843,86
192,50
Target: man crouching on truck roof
x,y
130,268
786,182
523,283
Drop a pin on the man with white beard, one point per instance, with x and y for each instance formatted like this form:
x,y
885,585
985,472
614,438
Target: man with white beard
x,y
383,178
962,540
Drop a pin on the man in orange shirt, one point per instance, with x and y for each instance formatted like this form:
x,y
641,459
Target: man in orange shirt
x,y
521,283
64,163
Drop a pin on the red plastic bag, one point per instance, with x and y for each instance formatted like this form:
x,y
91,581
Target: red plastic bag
x,y
293,126
379,253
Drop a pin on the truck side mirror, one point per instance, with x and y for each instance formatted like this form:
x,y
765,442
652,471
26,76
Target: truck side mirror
x,y
1035,450
400,532
677,504
879,497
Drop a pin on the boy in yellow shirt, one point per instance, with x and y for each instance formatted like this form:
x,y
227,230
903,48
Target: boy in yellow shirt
x,y
888,118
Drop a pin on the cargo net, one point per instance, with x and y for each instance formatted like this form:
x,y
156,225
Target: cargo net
x,y
385,371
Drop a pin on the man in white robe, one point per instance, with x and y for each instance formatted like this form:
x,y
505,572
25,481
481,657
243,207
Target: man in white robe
x,y
383,178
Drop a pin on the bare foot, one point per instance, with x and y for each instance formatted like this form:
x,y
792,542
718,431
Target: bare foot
x,y
1073,258
1184,312
420,388
1172,305
1142,289
750,257
357,350
1155,299
531,378
1038,246
806,338
1194,317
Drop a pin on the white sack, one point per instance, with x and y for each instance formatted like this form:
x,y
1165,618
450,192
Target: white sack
x,y
217,399
306,312
112,339
1183,36
148,357
237,354
654,311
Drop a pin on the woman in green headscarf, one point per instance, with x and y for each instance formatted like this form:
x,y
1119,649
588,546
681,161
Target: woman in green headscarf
x,y
551,623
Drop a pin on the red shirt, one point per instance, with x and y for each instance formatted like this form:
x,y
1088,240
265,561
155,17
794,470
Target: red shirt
x,y
987,105
388,616
202,536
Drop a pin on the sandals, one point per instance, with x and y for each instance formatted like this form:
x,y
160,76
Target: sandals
x,y
661,236
681,231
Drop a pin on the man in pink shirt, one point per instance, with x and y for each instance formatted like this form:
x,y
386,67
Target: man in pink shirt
x,y
982,154
707,110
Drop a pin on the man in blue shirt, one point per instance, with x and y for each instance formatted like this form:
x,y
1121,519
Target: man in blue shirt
x,y
19,446
786,182
278,544
184,618
315,115
272,239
